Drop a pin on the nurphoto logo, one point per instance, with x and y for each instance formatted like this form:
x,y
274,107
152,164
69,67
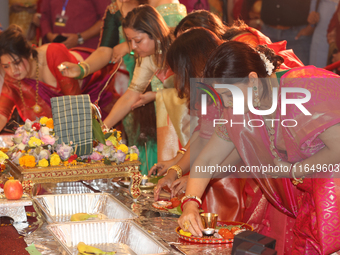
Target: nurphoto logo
x,y
239,103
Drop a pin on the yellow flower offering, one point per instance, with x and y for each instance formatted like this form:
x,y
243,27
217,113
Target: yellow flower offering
x,y
113,140
3,156
43,163
34,142
55,160
184,233
133,156
27,160
43,120
123,148
49,123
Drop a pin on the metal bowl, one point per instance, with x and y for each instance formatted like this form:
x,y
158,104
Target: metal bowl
x,y
208,231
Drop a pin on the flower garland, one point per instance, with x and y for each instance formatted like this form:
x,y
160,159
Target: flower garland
x,y
35,146
269,65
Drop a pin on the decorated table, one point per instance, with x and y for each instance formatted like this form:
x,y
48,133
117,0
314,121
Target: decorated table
x,y
47,168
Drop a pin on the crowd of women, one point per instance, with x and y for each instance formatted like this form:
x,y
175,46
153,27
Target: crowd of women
x,y
299,209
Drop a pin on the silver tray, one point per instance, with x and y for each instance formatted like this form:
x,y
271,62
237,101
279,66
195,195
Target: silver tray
x,y
59,208
125,237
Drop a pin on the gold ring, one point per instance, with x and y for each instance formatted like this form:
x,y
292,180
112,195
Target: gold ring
x,y
186,225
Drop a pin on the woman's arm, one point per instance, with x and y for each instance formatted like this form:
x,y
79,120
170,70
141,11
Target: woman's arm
x,y
97,60
141,78
109,38
121,108
212,154
329,155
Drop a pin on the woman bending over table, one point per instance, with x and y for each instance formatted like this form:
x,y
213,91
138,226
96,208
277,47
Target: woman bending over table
x,y
301,203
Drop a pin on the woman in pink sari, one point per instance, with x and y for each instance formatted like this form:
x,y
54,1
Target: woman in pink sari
x,y
302,214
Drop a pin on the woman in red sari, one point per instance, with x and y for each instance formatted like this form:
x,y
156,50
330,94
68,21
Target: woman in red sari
x,y
302,214
239,192
33,78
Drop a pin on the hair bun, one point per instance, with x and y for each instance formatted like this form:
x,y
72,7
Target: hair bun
x,y
274,59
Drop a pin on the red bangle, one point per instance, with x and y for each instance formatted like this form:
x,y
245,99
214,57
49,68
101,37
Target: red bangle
x,y
188,200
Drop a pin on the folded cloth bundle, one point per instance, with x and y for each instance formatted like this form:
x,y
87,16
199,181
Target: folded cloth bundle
x,y
72,117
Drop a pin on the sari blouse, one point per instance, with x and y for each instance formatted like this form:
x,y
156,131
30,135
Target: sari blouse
x,y
316,203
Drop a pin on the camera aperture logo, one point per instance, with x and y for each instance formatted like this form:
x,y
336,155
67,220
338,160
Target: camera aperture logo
x,y
239,103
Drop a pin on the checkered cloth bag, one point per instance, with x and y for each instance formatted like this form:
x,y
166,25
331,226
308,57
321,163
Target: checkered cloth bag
x,y
72,119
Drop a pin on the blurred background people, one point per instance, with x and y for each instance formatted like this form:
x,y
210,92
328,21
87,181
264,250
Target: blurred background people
x,y
320,17
287,20
73,22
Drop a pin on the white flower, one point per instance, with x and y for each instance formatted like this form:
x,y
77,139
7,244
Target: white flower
x,y
269,65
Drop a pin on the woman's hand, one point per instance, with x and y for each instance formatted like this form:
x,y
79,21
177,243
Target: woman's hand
x,y
144,99
313,17
71,41
179,186
190,220
119,51
70,70
162,167
165,181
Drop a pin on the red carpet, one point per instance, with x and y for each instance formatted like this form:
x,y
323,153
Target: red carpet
x,y
11,243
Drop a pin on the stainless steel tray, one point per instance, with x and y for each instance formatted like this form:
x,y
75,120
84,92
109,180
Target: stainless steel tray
x,y
59,208
125,237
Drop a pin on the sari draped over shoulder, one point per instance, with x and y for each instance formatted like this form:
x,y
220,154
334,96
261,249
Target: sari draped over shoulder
x,y
254,37
309,211
172,116
173,127
234,198
55,55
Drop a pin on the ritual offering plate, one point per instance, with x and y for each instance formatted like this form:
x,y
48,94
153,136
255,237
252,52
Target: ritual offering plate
x,y
222,226
162,205
148,185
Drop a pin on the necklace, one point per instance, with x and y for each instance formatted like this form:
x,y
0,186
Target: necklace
x,y
36,108
271,133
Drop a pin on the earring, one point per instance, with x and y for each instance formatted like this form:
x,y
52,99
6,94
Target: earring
x,y
257,102
230,104
159,51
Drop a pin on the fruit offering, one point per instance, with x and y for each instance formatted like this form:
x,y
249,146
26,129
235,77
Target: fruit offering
x,y
85,249
82,216
13,189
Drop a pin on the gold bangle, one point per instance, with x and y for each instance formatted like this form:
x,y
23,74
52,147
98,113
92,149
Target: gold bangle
x,y
180,151
296,181
178,169
86,67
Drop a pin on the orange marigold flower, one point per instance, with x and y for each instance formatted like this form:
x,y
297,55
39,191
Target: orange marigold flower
x,y
30,161
22,160
50,123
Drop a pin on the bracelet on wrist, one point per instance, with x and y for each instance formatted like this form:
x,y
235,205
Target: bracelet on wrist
x,y
86,68
191,196
81,75
292,171
178,169
181,152
188,200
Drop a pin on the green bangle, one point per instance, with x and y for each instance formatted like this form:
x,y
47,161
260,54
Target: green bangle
x,y
81,75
